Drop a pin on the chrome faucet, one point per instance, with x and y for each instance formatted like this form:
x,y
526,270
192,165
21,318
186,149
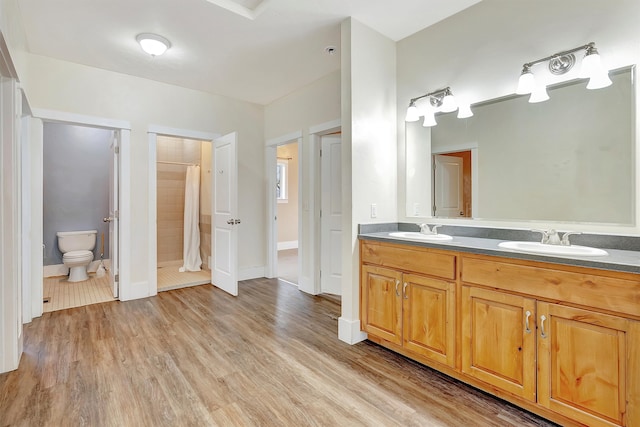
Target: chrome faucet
x,y
424,229
551,237
565,237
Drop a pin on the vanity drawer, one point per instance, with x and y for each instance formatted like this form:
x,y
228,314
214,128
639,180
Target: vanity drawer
x,y
418,260
592,290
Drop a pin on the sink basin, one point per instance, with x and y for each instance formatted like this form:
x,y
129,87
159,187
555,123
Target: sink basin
x,y
544,249
414,235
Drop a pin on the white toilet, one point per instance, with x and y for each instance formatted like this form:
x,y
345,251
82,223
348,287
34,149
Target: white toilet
x,y
77,247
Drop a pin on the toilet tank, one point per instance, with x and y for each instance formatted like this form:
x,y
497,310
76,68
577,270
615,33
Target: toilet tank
x,y
76,240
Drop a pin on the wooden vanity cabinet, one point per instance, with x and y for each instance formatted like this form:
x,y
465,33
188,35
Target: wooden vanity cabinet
x,y
381,303
561,341
499,340
580,362
414,311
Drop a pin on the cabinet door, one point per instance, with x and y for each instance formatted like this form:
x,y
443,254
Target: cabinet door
x,y
429,318
582,364
498,340
381,303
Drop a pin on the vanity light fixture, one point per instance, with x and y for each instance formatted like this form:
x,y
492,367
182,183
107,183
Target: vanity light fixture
x,y
439,100
153,44
560,63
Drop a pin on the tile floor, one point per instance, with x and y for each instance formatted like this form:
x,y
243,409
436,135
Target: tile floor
x,y
170,278
63,294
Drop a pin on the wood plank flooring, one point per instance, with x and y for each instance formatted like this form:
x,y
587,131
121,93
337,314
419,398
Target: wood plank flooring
x,y
288,265
199,357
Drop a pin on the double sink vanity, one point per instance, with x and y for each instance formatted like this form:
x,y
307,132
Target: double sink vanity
x,y
553,328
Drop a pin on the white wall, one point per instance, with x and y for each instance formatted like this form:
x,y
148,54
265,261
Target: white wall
x,y
480,51
12,32
369,161
311,105
63,86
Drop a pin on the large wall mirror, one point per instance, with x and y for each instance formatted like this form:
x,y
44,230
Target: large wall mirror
x,y
569,159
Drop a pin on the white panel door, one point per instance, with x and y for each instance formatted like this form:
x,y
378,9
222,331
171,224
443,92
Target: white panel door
x,y
113,214
447,182
224,268
331,216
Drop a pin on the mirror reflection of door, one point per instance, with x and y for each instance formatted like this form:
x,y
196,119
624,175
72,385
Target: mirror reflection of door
x,y
452,184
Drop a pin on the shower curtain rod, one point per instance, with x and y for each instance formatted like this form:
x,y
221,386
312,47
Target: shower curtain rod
x,y
177,163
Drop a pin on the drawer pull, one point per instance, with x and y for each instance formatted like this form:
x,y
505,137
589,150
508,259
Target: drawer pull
x,y
542,319
404,290
397,284
526,322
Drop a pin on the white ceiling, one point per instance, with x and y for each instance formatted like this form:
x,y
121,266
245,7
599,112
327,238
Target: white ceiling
x,y
253,50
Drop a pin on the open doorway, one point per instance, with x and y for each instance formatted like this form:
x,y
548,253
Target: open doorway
x,y
287,212
219,214
183,212
80,183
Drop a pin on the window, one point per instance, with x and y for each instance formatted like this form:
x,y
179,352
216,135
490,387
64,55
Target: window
x,y
281,181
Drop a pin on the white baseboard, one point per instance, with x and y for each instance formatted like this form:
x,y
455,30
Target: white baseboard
x,y
293,244
251,273
56,270
349,331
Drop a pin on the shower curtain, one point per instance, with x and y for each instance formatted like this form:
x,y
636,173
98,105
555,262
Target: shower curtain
x,y
191,252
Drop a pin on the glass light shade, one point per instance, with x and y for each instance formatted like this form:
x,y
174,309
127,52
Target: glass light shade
x,y
591,65
464,111
539,94
429,120
153,44
526,83
599,81
448,104
412,113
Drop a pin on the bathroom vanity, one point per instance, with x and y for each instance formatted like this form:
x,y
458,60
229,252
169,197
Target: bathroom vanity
x,y
558,336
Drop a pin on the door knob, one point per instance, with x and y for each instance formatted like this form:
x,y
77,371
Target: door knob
x,y
107,219
230,222
237,221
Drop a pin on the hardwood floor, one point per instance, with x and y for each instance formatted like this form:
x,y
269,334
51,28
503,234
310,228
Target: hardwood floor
x,y
288,265
197,356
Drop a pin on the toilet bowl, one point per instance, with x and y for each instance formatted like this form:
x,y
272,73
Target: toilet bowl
x,y
76,248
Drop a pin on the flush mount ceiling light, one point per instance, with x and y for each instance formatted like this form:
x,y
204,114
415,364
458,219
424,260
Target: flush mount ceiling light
x,y
153,44
560,63
441,100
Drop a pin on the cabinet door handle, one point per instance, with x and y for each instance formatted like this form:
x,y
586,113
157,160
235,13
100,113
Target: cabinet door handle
x,y
397,284
542,319
526,322
404,290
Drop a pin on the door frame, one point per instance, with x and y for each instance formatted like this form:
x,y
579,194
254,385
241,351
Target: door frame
x,y
152,132
272,204
124,127
309,198
473,147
